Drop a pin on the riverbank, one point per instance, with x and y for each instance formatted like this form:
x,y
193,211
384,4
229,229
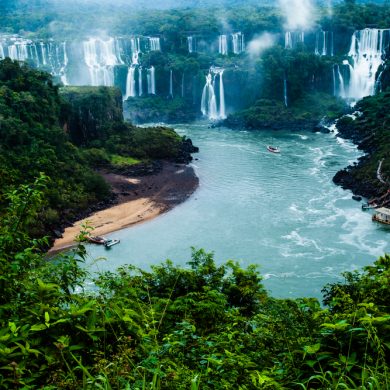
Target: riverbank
x,y
138,199
368,129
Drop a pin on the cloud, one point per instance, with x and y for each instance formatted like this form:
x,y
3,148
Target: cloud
x,y
299,14
260,43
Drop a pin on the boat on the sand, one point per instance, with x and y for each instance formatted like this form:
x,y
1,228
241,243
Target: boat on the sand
x,y
97,240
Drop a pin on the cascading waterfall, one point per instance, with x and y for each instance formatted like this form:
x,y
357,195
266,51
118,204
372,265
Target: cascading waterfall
x,y
324,43
191,42
292,38
140,83
135,47
18,51
43,53
209,106
341,83
334,80
222,45
209,103
288,44
182,85
154,44
50,55
151,78
101,57
171,84
130,83
285,92
222,110
63,65
366,52
238,43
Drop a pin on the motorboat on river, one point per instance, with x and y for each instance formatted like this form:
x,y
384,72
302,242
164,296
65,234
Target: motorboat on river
x,y
273,149
110,243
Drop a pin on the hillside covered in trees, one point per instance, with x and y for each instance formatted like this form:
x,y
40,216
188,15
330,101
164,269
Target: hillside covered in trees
x,y
67,135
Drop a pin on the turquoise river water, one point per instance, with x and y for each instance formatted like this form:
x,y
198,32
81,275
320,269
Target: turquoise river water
x,y
282,212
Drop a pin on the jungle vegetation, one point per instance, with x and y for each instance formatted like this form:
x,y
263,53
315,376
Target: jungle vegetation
x,y
203,326
67,135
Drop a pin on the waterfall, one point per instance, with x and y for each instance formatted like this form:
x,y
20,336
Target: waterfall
x,y
327,43
154,44
209,103
324,51
140,83
285,91
222,45
331,43
34,54
101,57
341,83
334,80
18,51
151,78
2,54
191,45
130,83
378,83
367,49
238,43
288,44
222,111
65,61
43,53
171,84
182,85
135,45
209,106
292,38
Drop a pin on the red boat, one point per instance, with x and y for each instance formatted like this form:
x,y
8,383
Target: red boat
x,y
273,149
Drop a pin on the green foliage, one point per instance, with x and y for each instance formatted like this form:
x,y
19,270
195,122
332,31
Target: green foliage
x,y
32,141
305,113
150,109
66,135
204,326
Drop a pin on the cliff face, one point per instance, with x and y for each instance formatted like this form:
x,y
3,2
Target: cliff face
x,y
90,112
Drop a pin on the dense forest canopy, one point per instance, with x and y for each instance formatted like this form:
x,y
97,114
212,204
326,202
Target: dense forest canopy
x,y
51,18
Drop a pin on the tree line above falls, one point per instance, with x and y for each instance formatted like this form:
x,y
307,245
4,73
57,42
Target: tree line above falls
x,y
67,135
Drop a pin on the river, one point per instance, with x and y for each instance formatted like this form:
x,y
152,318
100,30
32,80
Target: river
x,y
281,212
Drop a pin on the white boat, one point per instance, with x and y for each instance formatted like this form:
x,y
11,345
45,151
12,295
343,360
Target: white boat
x,y
273,149
110,243
382,215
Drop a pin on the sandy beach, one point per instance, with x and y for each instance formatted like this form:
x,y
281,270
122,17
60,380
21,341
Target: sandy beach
x,y
138,199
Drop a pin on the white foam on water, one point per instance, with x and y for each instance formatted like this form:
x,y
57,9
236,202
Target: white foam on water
x,y
357,226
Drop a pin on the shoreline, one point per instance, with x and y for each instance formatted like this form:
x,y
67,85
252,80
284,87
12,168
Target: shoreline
x,y
139,199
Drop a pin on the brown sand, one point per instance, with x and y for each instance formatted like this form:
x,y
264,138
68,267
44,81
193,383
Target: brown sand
x,y
139,199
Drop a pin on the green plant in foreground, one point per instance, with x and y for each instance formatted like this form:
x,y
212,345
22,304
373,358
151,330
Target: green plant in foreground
x,y
203,326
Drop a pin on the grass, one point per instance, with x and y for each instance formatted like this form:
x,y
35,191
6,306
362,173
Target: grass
x,y
122,161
